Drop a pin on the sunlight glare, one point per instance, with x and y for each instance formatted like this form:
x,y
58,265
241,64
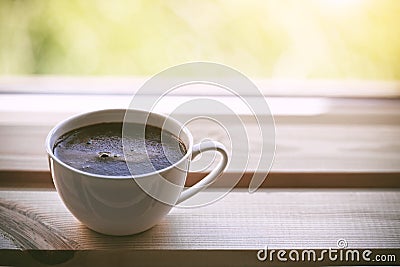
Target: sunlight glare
x,y
339,4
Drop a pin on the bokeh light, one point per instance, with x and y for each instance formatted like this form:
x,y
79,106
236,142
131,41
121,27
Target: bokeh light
x,y
308,39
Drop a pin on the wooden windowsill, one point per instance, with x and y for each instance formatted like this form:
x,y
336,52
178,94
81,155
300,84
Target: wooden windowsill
x,y
343,150
228,232
338,143
357,180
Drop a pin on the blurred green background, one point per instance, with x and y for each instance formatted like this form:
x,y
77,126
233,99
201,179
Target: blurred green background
x,y
308,39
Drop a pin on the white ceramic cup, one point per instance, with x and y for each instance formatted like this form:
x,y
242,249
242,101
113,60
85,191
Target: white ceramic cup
x,y
120,205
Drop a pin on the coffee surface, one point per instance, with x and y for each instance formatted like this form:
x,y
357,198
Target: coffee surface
x,y
98,149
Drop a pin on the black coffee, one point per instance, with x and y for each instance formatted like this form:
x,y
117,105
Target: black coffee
x,y
98,149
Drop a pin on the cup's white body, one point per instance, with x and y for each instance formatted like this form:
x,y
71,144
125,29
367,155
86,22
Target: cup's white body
x,y
117,205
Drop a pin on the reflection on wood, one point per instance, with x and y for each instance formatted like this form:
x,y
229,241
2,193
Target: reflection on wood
x,y
23,228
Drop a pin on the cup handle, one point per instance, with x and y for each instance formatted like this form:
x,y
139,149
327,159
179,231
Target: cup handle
x,y
213,175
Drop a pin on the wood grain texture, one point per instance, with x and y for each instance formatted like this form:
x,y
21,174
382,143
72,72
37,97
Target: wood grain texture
x,y
299,148
337,179
346,152
23,228
277,218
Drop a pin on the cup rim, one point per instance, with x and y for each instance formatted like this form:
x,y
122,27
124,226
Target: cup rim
x,y
68,120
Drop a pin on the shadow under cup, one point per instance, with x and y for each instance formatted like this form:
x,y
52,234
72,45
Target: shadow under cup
x,y
119,205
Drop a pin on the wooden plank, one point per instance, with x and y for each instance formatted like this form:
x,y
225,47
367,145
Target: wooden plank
x,y
37,230
42,179
350,143
299,147
195,258
277,218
